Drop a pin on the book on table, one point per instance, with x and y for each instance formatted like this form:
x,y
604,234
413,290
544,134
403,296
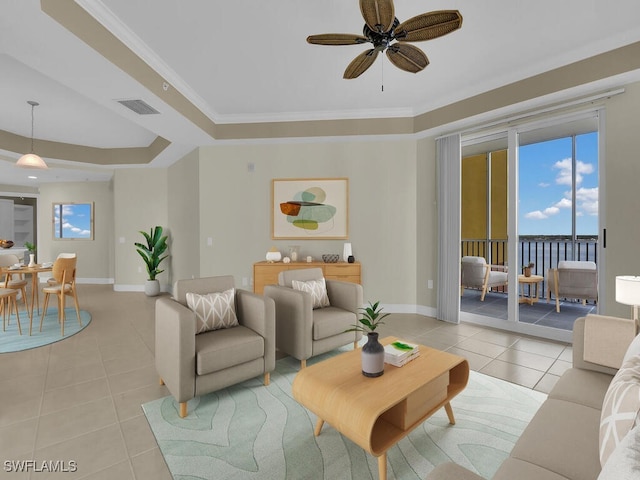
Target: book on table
x,y
398,353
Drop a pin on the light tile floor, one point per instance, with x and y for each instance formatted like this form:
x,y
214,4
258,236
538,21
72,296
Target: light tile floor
x,y
79,399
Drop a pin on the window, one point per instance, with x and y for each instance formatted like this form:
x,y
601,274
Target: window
x,y
73,221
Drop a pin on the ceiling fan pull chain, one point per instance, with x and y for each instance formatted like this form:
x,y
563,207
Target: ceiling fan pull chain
x,y
382,76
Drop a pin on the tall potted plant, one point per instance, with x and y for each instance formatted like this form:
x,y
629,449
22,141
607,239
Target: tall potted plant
x,y
151,253
372,351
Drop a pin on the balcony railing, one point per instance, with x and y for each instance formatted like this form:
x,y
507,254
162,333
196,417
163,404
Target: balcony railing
x,y
544,251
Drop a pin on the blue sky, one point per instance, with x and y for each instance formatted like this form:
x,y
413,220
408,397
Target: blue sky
x,y
76,221
545,187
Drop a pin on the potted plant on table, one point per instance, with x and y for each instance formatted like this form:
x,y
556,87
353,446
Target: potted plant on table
x,y
372,351
151,253
527,269
30,254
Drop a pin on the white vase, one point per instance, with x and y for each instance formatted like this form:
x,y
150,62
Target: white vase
x,y
152,288
32,259
346,253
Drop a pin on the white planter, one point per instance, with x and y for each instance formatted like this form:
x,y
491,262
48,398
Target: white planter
x,y
152,288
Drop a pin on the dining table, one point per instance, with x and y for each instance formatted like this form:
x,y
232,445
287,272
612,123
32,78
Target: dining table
x,y
33,271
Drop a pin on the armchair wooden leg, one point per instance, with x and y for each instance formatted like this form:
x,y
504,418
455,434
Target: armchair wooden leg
x,y
183,409
484,292
303,364
161,382
267,378
355,345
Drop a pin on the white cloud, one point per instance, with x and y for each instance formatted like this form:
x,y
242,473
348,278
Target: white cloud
x,y
544,184
564,175
536,215
587,200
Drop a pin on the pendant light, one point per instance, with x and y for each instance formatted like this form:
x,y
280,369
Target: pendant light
x,y
31,160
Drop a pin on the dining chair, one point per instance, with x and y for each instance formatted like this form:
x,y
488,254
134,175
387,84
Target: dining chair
x,y
7,295
64,272
52,280
10,280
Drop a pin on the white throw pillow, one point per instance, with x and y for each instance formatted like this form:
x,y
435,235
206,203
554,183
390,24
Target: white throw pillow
x,y
213,310
633,350
624,462
317,289
620,407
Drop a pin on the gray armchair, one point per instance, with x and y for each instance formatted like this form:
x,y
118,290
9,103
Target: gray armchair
x,y
190,364
304,332
574,280
476,273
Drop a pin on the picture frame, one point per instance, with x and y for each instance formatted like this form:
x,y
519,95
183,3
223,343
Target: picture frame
x,y
310,208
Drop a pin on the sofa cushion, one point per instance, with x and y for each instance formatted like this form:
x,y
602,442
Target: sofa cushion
x,y
624,462
331,321
582,386
514,469
226,348
213,310
317,289
620,407
562,437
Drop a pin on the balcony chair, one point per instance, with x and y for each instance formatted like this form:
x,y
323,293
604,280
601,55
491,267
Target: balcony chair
x,y
64,273
307,324
191,363
573,280
477,273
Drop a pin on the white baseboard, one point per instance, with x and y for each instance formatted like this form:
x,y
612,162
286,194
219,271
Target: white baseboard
x,y
138,288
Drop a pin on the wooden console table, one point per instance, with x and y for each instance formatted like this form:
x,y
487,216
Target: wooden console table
x,y
265,273
376,413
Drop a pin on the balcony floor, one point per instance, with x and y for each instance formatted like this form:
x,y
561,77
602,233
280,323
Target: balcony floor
x,y
540,313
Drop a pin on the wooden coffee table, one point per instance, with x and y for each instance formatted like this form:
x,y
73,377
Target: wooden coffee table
x,y
376,413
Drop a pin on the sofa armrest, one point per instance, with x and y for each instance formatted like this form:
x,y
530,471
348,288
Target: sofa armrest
x,y
452,471
345,295
579,347
175,347
259,314
294,320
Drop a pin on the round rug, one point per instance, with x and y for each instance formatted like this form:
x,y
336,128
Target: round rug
x,y
12,341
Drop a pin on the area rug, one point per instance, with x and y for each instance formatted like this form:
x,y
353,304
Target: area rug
x,y
12,341
250,431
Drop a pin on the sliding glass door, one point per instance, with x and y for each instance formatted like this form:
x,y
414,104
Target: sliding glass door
x,y
529,201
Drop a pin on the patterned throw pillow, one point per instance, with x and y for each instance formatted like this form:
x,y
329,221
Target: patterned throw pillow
x,y
317,289
213,310
620,407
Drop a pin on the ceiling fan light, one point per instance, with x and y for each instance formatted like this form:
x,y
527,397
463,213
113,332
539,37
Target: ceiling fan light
x,y
31,160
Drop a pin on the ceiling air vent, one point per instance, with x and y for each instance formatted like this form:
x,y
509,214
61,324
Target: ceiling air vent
x,y
139,106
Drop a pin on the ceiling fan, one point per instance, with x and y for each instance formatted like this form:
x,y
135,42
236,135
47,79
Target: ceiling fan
x,y
381,28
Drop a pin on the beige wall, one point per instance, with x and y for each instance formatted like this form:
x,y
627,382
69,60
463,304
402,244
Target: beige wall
x,y
235,208
183,217
622,202
95,257
140,203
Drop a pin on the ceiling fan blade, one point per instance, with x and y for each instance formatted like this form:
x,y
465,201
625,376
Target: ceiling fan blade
x,y
378,14
360,64
407,57
428,26
336,39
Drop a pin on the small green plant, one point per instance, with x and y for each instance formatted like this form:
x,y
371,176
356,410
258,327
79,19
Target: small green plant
x,y
371,319
30,246
530,265
152,251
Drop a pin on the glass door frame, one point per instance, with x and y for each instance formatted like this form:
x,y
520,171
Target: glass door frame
x,y
512,323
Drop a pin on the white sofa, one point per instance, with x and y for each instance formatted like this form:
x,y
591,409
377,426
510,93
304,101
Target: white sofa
x,y
562,441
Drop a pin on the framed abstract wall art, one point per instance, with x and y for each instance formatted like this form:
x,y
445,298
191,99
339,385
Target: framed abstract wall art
x,y
310,208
